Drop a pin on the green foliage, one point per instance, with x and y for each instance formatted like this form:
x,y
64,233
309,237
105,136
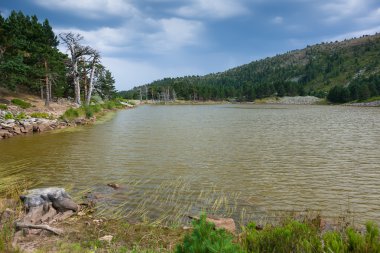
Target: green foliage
x,y
21,103
8,116
3,107
71,114
292,236
89,111
205,239
333,242
21,116
41,115
310,71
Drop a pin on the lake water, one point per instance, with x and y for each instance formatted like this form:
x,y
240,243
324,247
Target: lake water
x,y
233,160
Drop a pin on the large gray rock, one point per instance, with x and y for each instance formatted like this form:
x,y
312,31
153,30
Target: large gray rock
x,y
38,197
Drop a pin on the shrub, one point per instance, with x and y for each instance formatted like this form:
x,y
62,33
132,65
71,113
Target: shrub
x,y
89,111
3,107
21,116
8,116
43,115
71,114
205,238
21,103
292,236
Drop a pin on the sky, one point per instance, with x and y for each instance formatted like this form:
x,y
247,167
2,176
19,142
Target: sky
x,y
145,40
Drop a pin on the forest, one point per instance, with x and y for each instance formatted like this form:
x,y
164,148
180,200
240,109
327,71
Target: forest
x,y
324,70
31,62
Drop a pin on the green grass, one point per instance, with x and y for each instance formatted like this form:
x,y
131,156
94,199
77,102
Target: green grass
x,y
205,238
3,107
41,115
21,103
71,114
21,116
8,116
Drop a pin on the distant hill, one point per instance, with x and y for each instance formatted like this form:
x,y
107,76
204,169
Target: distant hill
x,y
342,71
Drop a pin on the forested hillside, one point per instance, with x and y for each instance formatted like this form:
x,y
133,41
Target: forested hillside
x,y
31,62
342,71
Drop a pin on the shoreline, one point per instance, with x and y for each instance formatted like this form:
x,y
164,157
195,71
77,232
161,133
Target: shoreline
x,y
28,125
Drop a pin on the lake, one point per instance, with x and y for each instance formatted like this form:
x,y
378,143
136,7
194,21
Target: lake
x,y
231,160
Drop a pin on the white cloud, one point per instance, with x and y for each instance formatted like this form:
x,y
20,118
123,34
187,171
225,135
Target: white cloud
x,y
147,36
372,18
212,9
340,9
92,8
173,34
278,20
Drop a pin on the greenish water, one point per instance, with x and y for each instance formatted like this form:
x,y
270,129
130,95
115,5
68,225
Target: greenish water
x,y
232,159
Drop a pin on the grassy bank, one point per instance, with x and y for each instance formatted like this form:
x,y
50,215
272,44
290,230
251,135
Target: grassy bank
x,y
89,232
89,111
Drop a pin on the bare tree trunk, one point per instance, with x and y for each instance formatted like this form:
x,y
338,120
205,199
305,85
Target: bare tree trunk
x,y
84,80
42,91
50,93
90,87
76,84
47,100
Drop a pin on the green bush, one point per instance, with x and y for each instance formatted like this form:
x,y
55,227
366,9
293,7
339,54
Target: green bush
x,y
21,103
205,239
292,236
42,115
3,107
71,114
21,116
89,111
8,116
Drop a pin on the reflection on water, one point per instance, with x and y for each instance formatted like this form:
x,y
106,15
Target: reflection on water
x,y
269,158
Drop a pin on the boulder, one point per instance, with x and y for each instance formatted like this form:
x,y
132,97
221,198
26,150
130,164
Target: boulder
x,y
38,197
220,223
62,203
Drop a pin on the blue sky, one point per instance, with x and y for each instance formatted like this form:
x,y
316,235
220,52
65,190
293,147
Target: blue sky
x,y
144,40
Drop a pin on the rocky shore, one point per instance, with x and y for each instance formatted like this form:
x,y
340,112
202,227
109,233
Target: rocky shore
x,y
29,125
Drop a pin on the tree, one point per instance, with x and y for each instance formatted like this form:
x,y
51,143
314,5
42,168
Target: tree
x,y
94,61
105,84
76,50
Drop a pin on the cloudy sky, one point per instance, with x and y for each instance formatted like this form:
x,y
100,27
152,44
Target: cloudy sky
x,y
145,40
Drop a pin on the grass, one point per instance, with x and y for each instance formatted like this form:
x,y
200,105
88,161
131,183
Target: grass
x,y
89,111
164,233
41,115
8,116
21,103
3,107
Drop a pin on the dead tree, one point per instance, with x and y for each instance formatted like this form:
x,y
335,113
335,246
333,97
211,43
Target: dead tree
x,y
72,41
94,61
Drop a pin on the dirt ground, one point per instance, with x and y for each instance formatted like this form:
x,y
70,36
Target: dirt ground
x,y
56,109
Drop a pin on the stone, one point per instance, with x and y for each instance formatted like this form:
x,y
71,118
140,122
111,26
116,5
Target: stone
x,y
62,203
39,196
114,185
5,133
107,238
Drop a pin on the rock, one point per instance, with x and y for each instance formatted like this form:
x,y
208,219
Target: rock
x,y
107,238
37,197
4,101
114,185
5,133
62,203
220,223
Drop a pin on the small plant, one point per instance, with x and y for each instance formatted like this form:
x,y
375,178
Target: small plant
x,y
71,114
3,107
292,236
41,115
205,239
21,103
89,111
21,116
8,115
